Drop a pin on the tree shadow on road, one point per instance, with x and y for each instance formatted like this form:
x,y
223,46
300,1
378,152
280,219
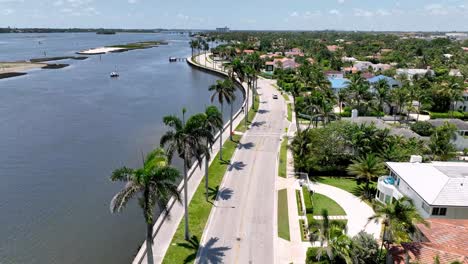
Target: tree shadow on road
x,y
211,254
258,124
238,165
223,194
248,145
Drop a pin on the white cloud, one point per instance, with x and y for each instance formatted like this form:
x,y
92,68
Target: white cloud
x,y
334,12
341,1
362,13
382,12
58,3
132,1
182,16
294,14
7,11
436,9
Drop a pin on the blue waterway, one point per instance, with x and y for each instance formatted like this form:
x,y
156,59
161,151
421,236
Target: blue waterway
x,y
63,131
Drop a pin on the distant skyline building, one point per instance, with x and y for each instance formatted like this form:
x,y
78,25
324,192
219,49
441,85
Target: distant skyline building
x,y
222,29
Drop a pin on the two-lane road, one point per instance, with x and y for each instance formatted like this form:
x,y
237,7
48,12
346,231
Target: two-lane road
x,y
241,225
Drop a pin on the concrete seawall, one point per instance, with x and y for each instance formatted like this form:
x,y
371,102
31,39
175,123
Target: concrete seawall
x,y
165,227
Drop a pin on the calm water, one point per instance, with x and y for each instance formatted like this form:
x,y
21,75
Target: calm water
x,y
63,131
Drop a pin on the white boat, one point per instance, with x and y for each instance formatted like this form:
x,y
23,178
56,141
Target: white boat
x,y
114,74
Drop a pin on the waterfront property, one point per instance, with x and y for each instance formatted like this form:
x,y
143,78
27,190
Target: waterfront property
x,y
438,189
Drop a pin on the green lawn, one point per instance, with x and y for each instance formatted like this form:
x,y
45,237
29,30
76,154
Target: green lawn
x,y
199,209
321,202
347,184
286,97
283,216
252,113
289,113
283,159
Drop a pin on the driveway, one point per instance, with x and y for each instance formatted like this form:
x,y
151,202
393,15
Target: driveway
x,y
356,210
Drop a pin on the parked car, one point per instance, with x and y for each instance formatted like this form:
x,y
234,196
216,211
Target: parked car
x,y
275,96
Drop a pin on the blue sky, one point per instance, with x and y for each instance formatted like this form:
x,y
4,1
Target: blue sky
x,y
239,14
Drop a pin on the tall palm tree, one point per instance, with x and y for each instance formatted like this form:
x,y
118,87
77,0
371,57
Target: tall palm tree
x,y
223,91
295,92
229,83
213,123
399,219
400,96
324,111
153,184
358,88
382,93
188,140
333,239
367,168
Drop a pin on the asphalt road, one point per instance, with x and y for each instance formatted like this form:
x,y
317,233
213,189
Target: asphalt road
x,y
241,225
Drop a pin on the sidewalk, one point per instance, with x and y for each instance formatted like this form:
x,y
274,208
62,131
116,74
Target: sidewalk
x,y
165,227
293,251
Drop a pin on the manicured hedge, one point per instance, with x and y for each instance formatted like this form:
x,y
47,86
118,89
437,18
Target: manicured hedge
x,y
455,114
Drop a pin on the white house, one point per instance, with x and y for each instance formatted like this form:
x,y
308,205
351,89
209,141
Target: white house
x,y
438,189
366,65
410,73
348,59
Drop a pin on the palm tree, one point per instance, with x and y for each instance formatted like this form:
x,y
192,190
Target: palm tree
x,y
382,93
229,83
213,123
193,44
367,168
323,111
399,219
400,97
295,92
359,90
188,140
153,184
342,96
333,239
223,91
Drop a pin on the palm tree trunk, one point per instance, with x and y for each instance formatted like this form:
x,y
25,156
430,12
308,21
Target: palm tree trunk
x,y
206,174
149,243
296,115
221,135
187,232
232,114
247,108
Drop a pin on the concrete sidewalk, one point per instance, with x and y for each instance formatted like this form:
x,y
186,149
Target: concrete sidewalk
x,y
165,227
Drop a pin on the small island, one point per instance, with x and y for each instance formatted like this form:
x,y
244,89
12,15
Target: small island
x,y
123,47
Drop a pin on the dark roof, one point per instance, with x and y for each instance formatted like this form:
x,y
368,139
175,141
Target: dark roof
x,y
407,133
460,124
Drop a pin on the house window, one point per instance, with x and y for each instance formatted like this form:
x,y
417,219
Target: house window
x,y
426,207
439,211
387,199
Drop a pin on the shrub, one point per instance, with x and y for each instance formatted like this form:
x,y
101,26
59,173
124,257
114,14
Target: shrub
x,y
311,256
455,114
422,128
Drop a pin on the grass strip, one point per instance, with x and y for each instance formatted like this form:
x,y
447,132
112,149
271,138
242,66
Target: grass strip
x,y
286,97
181,251
289,113
347,184
321,202
283,159
300,210
283,216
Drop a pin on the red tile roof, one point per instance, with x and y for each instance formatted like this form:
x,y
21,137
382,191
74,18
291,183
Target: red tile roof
x,y
445,238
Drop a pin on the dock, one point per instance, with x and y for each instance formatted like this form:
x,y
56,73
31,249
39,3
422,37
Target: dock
x,y
175,59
